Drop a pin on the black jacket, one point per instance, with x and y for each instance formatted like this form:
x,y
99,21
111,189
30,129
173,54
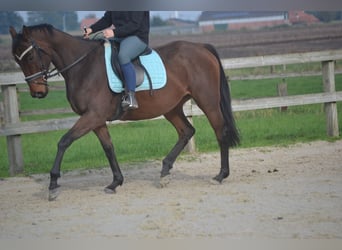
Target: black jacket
x,y
126,23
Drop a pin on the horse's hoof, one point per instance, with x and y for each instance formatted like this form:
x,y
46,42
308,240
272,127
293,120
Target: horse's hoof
x,y
164,181
53,194
108,190
215,181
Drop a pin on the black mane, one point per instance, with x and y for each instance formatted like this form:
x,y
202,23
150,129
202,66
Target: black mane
x,y
45,26
19,37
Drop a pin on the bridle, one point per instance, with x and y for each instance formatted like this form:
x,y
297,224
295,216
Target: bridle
x,y
44,71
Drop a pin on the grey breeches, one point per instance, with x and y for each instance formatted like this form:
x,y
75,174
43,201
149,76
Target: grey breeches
x,y
130,48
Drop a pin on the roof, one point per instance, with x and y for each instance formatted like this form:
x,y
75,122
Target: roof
x,y
302,17
227,15
88,21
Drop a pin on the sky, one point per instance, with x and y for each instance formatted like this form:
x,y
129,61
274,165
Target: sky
x,y
186,15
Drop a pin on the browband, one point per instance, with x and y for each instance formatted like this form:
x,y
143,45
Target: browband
x,y
24,53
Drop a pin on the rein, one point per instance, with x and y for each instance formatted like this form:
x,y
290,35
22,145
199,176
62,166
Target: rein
x,y
49,73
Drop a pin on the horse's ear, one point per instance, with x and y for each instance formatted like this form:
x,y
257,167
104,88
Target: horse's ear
x,y
26,31
12,31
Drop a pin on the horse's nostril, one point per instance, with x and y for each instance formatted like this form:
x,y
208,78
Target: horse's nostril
x,y
39,95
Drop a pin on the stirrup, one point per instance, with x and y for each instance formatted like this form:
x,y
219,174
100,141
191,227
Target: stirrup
x,y
129,101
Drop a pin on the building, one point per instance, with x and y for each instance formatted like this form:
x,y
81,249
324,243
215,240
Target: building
x,y
235,20
86,22
301,17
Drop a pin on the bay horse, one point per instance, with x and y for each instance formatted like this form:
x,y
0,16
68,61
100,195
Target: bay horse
x,y
193,70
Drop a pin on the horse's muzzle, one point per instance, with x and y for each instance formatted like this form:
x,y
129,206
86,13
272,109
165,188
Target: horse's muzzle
x,y
39,89
39,94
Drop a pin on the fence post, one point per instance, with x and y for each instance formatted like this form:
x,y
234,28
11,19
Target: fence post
x,y
282,91
330,108
190,147
11,115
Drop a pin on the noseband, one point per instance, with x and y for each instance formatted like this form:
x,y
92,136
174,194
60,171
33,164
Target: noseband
x,y
44,72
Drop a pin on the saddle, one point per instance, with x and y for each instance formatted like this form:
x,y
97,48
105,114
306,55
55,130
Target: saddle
x,y
140,69
149,67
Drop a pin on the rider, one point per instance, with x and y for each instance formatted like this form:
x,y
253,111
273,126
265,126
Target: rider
x,y
131,30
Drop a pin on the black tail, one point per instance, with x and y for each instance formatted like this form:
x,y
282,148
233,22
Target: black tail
x,y
231,133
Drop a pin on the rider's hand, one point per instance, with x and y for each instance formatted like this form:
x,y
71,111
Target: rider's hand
x,y
87,32
108,33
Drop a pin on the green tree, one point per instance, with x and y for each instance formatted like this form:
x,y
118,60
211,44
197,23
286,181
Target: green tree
x,y
157,21
91,15
63,20
10,18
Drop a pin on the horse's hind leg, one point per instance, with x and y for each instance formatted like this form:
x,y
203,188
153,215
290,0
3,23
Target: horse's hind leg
x,y
221,131
185,131
217,122
224,171
107,145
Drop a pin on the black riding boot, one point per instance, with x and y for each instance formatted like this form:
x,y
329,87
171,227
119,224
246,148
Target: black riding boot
x,y
129,101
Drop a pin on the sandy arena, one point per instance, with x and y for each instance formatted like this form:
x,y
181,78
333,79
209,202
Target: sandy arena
x,y
273,192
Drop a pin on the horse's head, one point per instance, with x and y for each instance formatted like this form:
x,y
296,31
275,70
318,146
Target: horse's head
x,y
33,58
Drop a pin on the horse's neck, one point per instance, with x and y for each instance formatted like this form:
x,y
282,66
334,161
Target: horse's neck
x,y
68,50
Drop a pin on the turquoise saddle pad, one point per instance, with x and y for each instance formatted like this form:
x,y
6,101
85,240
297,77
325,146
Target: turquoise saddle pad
x,y
153,64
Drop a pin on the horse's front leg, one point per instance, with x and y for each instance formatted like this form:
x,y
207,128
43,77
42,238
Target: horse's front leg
x,y
81,127
107,145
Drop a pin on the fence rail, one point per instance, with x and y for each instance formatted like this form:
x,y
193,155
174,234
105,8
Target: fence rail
x,y
13,128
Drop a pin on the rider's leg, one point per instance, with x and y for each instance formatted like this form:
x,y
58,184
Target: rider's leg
x,y
130,48
130,80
